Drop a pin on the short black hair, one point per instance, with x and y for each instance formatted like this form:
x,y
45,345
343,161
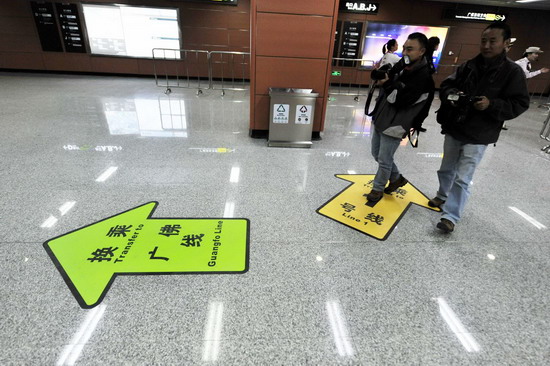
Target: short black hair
x,y
434,41
421,38
505,28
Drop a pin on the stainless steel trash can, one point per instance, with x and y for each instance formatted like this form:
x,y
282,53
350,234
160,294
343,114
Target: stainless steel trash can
x,y
291,117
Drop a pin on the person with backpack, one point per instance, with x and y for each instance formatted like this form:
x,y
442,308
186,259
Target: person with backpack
x,y
475,101
406,88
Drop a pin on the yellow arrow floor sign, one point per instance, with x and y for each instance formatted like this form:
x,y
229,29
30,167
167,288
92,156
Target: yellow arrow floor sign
x,y
350,206
133,243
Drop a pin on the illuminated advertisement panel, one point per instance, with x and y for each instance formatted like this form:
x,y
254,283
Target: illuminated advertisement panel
x,y
379,34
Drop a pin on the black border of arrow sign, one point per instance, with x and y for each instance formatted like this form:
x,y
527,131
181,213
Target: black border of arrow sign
x,y
75,292
352,183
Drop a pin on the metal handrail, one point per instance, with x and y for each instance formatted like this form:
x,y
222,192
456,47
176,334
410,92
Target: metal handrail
x,y
354,87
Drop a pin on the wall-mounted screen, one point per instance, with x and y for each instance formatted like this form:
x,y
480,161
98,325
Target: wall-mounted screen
x,y
130,31
379,33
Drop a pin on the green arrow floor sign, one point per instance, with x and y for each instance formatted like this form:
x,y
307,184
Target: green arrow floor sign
x,y
133,243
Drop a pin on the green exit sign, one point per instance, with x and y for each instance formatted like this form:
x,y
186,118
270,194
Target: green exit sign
x,y
337,73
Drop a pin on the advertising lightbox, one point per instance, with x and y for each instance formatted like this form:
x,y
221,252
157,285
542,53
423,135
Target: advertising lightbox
x,y
378,34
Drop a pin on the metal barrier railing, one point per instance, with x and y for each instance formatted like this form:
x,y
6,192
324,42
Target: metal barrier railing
x,y
545,133
355,76
229,70
540,91
356,73
181,69
200,70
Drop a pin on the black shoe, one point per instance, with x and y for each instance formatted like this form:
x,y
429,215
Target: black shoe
x,y
375,196
399,182
436,202
446,226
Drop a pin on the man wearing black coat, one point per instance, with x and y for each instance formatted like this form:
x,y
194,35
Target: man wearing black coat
x,y
475,102
406,89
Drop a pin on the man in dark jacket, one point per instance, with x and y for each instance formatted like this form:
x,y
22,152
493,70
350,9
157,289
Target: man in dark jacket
x,y
406,90
475,102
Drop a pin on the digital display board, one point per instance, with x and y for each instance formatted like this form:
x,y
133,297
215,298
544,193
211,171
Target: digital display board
x,y
46,24
133,31
378,34
71,28
351,42
359,6
336,39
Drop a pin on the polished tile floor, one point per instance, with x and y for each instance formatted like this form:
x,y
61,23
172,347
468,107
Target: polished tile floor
x,y
316,292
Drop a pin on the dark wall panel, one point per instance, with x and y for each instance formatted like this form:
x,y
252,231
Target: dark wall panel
x,y
67,62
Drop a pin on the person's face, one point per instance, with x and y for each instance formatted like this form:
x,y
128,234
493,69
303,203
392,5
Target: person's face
x,y
533,57
492,43
413,49
395,48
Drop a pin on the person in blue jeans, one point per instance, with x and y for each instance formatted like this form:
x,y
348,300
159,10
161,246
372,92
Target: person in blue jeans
x,y
406,90
475,101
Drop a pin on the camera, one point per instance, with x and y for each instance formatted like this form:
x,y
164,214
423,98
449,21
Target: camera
x,y
460,99
380,73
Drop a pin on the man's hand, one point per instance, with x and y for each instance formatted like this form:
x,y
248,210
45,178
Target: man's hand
x,y
482,104
544,70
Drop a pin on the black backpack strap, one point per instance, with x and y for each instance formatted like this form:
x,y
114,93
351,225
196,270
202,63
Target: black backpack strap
x,y
413,140
369,98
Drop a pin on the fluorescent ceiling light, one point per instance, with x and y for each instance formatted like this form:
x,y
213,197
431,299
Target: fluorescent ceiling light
x,y
531,220
235,172
72,351
339,330
50,221
212,332
468,342
66,207
106,174
229,209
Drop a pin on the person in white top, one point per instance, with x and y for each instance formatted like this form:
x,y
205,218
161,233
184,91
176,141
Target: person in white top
x,y
389,56
531,55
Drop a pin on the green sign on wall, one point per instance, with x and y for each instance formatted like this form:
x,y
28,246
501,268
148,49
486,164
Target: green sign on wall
x,y
133,243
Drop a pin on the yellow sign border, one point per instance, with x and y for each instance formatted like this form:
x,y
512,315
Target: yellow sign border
x,y
405,210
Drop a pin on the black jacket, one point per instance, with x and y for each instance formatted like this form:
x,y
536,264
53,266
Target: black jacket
x,y
501,81
405,93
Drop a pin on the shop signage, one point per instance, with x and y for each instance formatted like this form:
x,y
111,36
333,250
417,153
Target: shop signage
x,y
358,6
474,15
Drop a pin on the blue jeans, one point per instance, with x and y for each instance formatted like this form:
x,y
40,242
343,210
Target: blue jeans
x,y
383,148
455,175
